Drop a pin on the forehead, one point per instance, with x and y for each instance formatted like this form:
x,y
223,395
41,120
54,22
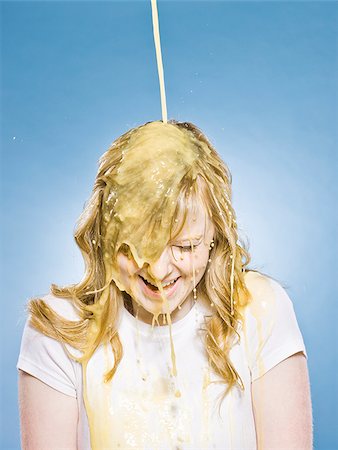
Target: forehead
x,y
192,221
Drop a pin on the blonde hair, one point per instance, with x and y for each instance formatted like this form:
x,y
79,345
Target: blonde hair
x,y
222,284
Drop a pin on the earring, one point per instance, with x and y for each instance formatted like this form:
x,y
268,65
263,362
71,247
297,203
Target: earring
x,y
212,244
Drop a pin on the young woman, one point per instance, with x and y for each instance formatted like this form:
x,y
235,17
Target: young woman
x,y
169,341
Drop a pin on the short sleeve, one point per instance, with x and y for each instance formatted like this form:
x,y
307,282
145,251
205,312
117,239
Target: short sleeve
x,y
46,359
271,330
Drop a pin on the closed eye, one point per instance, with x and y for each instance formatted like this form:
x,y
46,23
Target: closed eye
x,y
184,248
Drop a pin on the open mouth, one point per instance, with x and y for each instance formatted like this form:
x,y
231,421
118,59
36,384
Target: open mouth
x,y
155,288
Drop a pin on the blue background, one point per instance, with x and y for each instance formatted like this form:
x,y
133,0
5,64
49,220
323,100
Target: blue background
x,y
259,78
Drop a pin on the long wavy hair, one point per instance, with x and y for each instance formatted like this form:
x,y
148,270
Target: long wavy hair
x,y
98,303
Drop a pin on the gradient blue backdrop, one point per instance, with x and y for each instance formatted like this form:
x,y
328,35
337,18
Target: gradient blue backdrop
x,y
259,78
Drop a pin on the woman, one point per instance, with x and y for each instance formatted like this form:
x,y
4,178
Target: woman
x,y
169,341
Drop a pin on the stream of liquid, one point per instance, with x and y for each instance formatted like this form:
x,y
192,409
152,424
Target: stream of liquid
x,y
157,40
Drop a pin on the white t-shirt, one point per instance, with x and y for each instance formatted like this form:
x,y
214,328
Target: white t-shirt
x,y
141,407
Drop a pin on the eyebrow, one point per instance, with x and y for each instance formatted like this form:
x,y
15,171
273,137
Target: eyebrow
x,y
188,238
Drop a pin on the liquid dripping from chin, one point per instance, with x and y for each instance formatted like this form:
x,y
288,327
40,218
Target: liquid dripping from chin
x,y
166,312
155,321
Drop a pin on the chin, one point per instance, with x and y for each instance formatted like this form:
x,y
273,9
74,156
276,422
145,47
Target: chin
x,y
160,309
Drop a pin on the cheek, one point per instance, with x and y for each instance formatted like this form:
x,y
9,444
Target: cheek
x,y
127,266
198,260
201,266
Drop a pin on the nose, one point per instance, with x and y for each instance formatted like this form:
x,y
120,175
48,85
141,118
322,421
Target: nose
x,y
163,267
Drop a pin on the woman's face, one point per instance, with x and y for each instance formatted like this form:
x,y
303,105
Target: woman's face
x,y
179,269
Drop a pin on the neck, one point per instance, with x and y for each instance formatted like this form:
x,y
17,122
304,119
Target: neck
x,y
145,316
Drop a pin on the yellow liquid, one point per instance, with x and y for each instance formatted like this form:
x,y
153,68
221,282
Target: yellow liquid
x,y
156,158
156,30
167,313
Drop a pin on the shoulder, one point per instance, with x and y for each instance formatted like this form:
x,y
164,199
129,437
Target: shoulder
x,y
64,307
269,306
49,318
259,283
266,293
46,358
269,325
